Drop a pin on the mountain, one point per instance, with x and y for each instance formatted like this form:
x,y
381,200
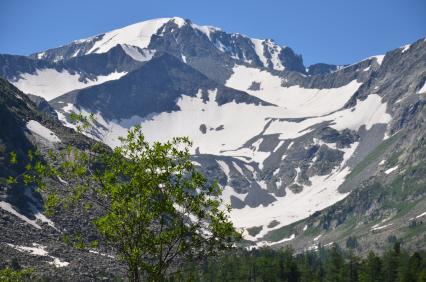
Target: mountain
x,y
200,44
300,151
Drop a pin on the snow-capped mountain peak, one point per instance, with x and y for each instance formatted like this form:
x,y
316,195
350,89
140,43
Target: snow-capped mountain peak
x,y
147,35
138,35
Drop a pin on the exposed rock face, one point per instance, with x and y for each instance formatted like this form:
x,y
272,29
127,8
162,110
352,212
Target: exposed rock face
x,y
42,105
321,69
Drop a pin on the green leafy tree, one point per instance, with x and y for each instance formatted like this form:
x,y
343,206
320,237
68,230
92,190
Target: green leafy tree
x,y
155,209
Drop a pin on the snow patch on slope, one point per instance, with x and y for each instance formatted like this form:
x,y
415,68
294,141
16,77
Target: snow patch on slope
x,y
8,207
422,89
377,227
379,58
405,48
366,113
207,30
228,191
141,55
39,217
271,243
392,169
39,250
294,101
178,21
259,48
225,168
50,83
101,254
294,206
42,131
37,214
275,51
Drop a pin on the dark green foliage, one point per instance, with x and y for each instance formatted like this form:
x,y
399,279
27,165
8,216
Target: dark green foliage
x,y
352,242
392,239
14,264
324,265
371,269
335,267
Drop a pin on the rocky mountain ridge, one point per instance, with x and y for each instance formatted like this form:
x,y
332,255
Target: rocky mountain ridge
x,y
29,238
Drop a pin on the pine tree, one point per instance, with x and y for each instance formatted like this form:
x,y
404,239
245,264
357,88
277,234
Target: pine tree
x,y
353,268
371,269
334,267
391,261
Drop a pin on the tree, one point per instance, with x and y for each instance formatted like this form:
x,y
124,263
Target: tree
x,y
288,268
14,264
391,261
155,209
353,266
352,242
334,265
371,269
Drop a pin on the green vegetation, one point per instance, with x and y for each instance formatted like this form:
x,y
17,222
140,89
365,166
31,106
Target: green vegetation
x,y
10,275
151,205
377,152
324,265
278,234
393,159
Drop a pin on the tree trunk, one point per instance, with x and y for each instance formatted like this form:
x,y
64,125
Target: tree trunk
x,y
157,277
134,274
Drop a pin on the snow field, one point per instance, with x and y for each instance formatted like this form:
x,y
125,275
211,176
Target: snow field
x,y
50,83
242,121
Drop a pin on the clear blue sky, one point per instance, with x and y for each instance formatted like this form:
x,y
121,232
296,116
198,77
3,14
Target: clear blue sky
x,y
331,31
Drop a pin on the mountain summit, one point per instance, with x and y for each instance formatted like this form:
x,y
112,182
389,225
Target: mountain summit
x,y
192,39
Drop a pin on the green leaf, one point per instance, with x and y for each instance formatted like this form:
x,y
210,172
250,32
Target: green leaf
x,y
13,159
